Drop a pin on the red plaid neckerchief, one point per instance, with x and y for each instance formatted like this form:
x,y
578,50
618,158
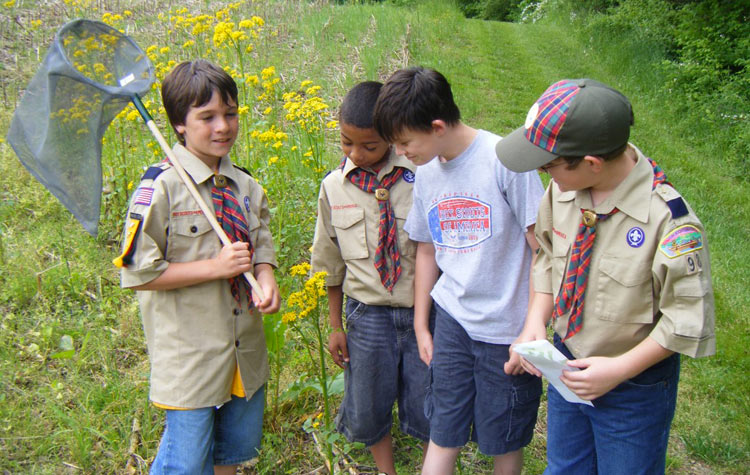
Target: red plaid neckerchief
x,y
573,290
387,232
232,220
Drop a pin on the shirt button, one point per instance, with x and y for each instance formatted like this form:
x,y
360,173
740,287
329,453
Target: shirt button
x,y
237,311
193,229
236,342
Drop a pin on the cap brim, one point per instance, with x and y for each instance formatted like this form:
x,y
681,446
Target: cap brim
x,y
518,154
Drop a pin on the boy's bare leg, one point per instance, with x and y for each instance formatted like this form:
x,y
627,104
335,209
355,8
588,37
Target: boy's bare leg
x,y
382,452
225,469
508,464
440,460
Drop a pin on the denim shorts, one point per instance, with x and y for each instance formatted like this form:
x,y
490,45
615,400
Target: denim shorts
x,y
627,430
384,367
195,440
471,397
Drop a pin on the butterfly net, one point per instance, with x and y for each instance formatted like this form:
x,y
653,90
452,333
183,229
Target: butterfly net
x,y
89,75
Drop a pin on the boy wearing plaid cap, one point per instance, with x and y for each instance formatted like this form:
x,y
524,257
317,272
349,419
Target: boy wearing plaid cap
x,y
360,242
622,273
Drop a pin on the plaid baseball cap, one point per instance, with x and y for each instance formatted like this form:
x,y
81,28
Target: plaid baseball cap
x,y
573,118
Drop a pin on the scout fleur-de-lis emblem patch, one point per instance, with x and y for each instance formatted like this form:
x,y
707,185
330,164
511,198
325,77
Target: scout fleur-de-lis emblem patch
x,y
635,237
408,176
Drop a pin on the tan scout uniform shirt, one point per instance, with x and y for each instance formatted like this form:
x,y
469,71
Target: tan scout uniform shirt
x,y
346,236
197,335
635,289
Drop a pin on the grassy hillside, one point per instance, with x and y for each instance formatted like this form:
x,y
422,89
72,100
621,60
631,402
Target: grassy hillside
x,y
73,365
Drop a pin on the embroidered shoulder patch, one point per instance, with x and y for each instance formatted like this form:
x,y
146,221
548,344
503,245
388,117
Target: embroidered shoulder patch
x,y
408,176
143,196
681,240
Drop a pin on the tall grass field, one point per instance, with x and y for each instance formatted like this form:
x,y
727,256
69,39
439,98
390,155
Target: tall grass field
x,y
73,363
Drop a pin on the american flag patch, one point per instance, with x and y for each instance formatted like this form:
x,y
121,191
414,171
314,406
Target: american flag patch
x,y
143,196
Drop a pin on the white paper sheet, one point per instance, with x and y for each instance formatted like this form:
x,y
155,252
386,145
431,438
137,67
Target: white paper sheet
x,y
549,360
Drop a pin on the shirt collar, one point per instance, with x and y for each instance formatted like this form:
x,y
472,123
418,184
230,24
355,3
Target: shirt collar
x,y
394,160
629,196
198,170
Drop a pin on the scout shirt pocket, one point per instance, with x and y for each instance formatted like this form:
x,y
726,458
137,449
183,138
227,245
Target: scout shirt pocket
x,y
349,224
406,246
253,228
190,239
559,262
624,292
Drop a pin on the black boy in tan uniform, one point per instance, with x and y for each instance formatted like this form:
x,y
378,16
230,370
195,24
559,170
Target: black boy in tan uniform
x,y
360,243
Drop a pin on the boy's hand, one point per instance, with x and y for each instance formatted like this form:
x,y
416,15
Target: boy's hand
x,y
598,376
233,260
337,347
517,364
424,343
272,301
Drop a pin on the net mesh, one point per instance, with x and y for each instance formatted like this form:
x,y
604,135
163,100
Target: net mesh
x,y
89,75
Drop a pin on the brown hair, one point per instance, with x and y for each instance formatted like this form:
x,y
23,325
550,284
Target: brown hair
x,y
411,99
192,84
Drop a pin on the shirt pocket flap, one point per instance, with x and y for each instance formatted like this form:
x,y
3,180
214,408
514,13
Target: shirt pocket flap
x,y
624,292
626,272
191,227
346,218
253,222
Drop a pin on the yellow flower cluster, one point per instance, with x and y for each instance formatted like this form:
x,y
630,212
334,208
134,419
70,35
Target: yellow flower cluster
x,y
79,3
306,108
78,112
111,18
272,135
305,301
268,80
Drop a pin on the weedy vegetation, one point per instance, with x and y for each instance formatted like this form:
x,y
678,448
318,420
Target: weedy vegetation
x,y
73,364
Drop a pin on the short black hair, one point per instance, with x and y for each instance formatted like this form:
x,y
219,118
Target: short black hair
x,y
411,99
192,84
359,103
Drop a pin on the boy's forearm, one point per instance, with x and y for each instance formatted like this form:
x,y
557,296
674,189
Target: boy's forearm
x,y
335,306
426,274
540,310
643,356
264,274
182,274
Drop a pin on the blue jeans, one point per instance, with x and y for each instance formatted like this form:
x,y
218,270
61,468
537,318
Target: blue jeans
x,y
626,432
195,440
384,367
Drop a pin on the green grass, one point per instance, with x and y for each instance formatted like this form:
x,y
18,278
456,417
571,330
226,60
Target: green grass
x,y
57,285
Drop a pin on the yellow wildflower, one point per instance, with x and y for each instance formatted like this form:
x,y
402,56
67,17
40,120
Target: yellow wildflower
x,y
300,269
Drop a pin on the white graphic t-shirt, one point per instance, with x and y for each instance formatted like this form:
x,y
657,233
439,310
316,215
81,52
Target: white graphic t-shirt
x,y
475,212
